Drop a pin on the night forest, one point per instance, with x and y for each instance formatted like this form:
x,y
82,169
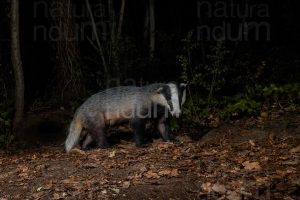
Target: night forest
x,y
238,133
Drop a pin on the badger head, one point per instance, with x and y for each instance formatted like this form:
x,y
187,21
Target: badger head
x,y
172,96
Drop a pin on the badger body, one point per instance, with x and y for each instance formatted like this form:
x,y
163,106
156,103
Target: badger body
x,y
125,104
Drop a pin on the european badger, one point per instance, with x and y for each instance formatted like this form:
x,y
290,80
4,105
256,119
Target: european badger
x,y
126,104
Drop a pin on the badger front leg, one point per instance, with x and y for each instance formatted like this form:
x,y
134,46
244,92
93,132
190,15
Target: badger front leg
x,y
138,126
163,128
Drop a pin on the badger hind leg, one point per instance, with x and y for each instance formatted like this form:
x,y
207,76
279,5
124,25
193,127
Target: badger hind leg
x,y
138,126
100,138
87,141
95,137
97,134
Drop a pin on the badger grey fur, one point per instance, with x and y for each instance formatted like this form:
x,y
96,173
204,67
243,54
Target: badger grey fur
x,y
125,104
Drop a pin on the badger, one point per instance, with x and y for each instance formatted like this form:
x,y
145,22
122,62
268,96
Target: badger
x,y
125,104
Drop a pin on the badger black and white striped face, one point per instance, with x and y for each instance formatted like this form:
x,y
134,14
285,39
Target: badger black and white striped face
x,y
172,96
177,98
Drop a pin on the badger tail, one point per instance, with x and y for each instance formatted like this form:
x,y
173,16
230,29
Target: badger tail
x,y
74,134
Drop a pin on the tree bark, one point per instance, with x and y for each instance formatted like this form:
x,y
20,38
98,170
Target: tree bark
x,y
152,28
68,75
17,68
146,23
121,19
100,48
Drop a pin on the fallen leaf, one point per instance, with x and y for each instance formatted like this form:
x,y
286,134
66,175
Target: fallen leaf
x,y
143,169
34,195
34,157
76,152
163,145
260,179
296,182
126,184
214,121
104,191
283,157
68,180
295,150
209,153
252,143
206,187
243,192
233,196
112,154
150,174
272,137
174,173
115,190
169,172
251,165
291,162
164,172
56,196
124,151
91,165
219,188
264,114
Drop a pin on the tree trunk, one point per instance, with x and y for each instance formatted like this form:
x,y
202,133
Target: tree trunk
x,y
119,72
121,19
152,28
113,54
68,70
146,22
17,68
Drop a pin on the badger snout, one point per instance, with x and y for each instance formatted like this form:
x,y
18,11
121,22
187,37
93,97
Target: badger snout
x,y
176,114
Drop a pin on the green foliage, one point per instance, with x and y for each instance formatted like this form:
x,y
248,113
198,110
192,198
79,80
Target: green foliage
x,y
174,125
224,106
290,92
208,74
205,74
238,105
228,90
249,102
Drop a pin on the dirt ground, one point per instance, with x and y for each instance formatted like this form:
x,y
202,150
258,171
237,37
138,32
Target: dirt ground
x,y
253,158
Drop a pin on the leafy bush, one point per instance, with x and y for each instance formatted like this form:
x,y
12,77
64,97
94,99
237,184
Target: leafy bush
x,y
276,93
249,102
209,72
226,85
238,105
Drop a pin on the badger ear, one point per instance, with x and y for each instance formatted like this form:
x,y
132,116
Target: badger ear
x,y
159,90
183,85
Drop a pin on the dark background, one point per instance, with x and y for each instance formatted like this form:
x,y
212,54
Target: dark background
x,y
279,57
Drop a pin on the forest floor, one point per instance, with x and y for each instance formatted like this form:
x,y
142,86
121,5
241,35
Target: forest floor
x,y
253,158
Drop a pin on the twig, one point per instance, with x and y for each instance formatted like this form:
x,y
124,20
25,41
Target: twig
x,y
97,38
